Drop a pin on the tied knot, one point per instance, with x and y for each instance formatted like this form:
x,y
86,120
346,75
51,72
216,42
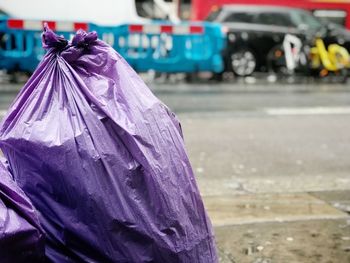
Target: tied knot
x,y
81,39
51,40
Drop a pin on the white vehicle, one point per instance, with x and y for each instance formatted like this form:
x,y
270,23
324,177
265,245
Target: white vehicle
x,y
101,12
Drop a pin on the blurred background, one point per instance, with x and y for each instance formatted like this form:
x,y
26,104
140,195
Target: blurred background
x,y
261,88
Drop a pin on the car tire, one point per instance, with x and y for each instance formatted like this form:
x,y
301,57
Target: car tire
x,y
243,62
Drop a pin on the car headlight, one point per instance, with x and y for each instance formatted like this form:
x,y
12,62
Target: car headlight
x,y
232,37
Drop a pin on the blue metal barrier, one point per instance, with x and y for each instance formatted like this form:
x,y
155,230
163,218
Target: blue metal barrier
x,y
159,46
166,47
21,49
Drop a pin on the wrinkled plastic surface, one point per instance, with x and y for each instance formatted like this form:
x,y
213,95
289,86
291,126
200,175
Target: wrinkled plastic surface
x,y
21,237
104,161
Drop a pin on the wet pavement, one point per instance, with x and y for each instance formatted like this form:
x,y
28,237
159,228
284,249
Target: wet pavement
x,y
226,210
290,228
272,163
316,241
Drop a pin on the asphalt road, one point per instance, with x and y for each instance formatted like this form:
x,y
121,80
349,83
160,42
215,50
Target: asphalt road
x,y
265,138
256,138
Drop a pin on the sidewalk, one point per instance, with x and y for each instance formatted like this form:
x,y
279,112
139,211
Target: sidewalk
x,y
282,228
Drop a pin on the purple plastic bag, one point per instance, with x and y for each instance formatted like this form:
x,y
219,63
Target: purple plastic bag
x,y
21,237
104,161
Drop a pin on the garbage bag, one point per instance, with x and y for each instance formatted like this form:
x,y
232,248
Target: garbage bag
x,y
21,236
104,161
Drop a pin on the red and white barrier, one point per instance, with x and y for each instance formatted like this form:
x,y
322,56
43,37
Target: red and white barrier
x,y
36,25
39,25
168,29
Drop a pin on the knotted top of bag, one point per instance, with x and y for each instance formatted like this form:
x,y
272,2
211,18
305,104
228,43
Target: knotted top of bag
x,y
82,39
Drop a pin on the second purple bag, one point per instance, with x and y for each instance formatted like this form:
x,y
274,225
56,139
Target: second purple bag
x,y
103,160
21,236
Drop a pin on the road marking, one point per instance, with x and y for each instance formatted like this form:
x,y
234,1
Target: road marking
x,y
308,111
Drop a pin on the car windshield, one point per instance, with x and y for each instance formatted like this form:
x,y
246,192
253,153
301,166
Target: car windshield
x,y
213,15
2,13
306,20
239,17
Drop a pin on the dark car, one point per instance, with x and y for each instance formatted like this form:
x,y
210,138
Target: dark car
x,y
253,32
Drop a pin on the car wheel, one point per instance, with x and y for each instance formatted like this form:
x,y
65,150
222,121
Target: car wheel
x,y
243,62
